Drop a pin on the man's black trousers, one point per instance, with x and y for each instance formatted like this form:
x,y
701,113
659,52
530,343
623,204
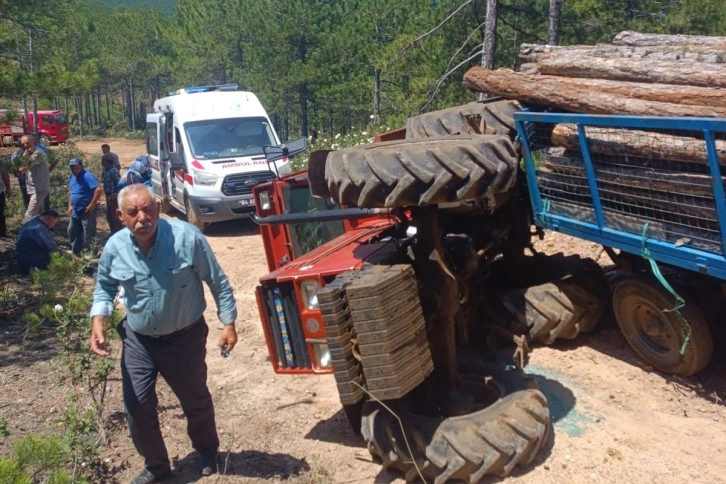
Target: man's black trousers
x,y
179,359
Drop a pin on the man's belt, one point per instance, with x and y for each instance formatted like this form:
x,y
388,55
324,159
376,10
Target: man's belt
x,y
183,330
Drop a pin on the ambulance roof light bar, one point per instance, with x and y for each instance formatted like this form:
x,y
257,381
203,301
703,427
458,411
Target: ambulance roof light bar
x,y
196,89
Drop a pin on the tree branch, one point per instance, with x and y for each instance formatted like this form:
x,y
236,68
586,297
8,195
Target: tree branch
x,y
423,36
435,90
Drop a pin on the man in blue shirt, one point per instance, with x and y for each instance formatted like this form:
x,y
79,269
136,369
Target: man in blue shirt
x,y
85,191
35,243
161,264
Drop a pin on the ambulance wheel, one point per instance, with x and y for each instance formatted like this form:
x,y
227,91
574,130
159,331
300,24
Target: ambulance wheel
x,y
166,206
677,342
192,217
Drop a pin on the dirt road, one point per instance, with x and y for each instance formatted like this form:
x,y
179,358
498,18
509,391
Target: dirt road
x,y
614,420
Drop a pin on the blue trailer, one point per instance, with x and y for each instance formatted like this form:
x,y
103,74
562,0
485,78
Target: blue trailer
x,y
651,191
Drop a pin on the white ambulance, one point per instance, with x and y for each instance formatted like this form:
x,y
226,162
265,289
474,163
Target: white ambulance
x,y
206,147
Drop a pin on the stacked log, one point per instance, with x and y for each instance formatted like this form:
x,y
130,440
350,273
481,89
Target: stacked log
x,y
642,175
636,74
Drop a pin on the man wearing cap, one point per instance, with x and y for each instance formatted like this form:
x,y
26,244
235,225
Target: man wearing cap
x,y
85,191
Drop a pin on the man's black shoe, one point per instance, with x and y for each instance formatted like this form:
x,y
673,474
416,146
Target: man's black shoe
x,y
149,476
209,464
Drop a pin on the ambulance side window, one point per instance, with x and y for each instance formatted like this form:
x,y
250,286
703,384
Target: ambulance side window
x,y
178,145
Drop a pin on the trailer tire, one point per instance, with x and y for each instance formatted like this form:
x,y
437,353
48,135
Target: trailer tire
x,y
656,335
491,441
494,116
422,171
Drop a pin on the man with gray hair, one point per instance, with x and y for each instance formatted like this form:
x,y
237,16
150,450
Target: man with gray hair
x,y
33,164
161,265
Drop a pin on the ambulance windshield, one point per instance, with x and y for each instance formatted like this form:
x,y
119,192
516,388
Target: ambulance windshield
x,y
229,137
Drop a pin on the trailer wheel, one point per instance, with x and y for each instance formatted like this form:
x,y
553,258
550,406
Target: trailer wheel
x,y
422,171
192,217
488,117
641,307
508,429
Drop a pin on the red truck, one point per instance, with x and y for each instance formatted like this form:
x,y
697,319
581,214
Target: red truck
x,y
12,127
52,126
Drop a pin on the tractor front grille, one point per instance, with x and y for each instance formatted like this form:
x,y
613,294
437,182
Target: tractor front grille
x,y
286,326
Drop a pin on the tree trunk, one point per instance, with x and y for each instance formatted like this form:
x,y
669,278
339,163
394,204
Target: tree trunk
x,y
132,104
79,110
376,97
35,117
645,144
646,40
108,104
489,43
593,96
553,31
638,70
303,109
89,112
690,53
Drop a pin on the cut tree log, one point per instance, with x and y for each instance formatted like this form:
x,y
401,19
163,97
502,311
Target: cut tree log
x,y
689,53
655,204
642,40
637,70
666,93
627,172
646,144
584,96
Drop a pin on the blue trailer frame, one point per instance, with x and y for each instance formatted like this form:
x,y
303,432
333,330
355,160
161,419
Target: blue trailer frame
x,y
592,219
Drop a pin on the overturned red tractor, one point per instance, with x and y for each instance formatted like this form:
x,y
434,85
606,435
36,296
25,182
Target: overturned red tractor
x,y
421,295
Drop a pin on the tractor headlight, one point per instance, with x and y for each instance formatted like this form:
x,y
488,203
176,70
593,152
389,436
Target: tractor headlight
x,y
309,291
322,354
265,201
202,178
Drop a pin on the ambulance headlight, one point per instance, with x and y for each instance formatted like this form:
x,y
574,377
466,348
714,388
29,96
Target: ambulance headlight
x,y
203,178
309,291
265,201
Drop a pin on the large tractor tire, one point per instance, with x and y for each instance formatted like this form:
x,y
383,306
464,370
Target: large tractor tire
x,y
643,310
424,171
572,302
508,429
487,117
